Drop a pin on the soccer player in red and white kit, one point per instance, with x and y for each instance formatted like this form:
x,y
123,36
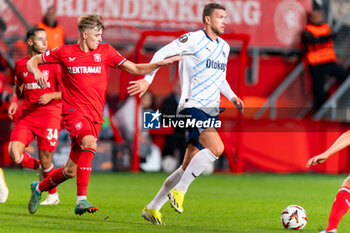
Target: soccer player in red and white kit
x,y
341,203
85,75
41,112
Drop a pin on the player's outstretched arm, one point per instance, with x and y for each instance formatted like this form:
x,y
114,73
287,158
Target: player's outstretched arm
x,y
145,68
33,67
342,142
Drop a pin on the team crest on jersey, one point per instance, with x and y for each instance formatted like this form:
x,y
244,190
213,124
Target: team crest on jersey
x,y
25,74
46,72
79,125
97,57
183,38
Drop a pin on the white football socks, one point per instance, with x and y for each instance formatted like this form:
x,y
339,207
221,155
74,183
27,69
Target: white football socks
x,y
161,198
198,164
79,198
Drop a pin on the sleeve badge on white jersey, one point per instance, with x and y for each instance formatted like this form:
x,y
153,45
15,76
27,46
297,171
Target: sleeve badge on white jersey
x,y
183,38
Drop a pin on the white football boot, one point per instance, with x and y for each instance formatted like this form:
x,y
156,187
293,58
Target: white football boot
x,y
331,231
51,199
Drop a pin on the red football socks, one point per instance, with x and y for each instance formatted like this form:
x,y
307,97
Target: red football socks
x,y
54,179
47,173
28,161
84,170
340,207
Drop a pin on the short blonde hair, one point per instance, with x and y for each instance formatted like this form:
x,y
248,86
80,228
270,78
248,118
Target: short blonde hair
x,y
90,21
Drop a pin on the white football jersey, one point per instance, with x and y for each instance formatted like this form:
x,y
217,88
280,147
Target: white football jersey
x,y
202,70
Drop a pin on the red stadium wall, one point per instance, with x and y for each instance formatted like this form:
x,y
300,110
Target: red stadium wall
x,y
284,146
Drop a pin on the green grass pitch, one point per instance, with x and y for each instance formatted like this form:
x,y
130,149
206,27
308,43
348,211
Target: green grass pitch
x,y
249,203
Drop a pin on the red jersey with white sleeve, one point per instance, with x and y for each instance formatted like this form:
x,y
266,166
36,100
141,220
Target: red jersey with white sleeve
x,y
48,115
85,77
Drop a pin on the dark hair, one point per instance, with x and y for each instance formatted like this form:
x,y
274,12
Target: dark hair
x,y
209,8
32,32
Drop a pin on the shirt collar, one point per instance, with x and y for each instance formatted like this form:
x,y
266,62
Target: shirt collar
x,y
217,38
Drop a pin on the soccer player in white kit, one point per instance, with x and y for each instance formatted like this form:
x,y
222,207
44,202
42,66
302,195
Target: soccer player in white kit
x,y
202,72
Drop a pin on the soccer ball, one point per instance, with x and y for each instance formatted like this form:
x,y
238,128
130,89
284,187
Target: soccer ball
x,y
294,217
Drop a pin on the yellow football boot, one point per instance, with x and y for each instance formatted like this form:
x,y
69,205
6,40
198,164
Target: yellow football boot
x,y
176,200
154,216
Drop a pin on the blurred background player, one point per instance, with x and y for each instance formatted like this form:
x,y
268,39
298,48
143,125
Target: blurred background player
x,y
54,31
84,80
175,143
201,84
41,112
320,56
150,155
341,203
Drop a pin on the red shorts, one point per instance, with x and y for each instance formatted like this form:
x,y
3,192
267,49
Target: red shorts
x,y
25,132
78,127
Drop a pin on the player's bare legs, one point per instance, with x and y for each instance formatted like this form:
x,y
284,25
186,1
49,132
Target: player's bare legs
x,y
45,157
70,168
211,140
18,156
191,151
151,211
